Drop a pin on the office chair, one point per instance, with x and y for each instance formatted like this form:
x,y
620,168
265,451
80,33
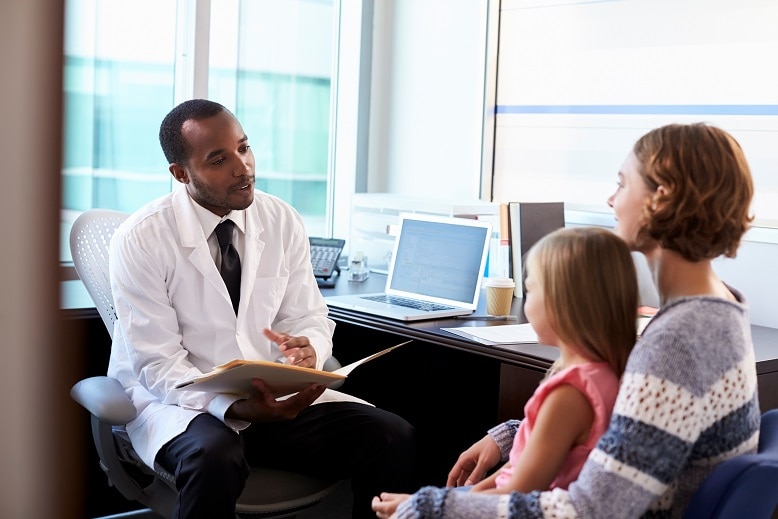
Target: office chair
x,y
268,492
744,486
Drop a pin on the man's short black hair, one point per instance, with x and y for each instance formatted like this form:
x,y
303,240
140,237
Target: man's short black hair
x,y
170,138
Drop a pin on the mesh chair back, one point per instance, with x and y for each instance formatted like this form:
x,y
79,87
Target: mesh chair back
x,y
89,240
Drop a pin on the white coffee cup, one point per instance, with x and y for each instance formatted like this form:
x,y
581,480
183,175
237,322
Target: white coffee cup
x,y
499,295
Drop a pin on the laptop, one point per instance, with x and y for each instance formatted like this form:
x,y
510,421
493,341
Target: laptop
x,y
436,270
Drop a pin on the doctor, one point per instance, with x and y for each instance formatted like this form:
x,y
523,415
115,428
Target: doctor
x,y
176,320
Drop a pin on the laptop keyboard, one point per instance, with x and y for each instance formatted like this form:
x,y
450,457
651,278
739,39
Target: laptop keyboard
x,y
408,303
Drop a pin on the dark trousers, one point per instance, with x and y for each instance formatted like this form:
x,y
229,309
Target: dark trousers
x,y
343,440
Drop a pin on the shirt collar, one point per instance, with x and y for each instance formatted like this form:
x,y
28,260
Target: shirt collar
x,y
209,220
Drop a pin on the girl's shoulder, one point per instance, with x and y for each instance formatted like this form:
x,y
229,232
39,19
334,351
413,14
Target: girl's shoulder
x,y
588,377
595,381
593,369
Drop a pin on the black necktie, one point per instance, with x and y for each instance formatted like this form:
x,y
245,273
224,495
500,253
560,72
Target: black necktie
x,y
230,268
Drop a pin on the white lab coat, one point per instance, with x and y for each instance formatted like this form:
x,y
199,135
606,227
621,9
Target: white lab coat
x,y
175,318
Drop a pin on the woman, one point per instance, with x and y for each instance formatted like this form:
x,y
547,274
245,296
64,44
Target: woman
x,y
688,398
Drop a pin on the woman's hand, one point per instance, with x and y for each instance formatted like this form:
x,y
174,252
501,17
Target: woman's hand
x,y
386,504
473,464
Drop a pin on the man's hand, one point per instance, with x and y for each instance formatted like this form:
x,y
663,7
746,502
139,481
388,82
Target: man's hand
x,y
472,465
386,505
297,350
261,406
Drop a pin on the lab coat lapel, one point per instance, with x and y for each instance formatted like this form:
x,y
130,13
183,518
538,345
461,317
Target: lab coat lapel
x,y
192,237
250,262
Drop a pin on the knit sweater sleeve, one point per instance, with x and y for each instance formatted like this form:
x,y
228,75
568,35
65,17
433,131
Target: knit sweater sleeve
x,y
453,503
503,436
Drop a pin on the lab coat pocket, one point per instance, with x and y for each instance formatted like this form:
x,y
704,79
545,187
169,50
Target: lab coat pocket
x,y
266,298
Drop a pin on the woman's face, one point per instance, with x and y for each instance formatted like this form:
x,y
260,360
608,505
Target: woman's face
x,y
628,201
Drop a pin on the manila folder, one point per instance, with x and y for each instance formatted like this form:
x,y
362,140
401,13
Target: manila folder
x,y
235,376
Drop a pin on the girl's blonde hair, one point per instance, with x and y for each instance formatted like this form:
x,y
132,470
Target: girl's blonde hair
x,y
591,291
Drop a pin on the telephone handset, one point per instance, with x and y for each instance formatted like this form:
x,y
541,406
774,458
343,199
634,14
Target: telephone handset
x,y
324,257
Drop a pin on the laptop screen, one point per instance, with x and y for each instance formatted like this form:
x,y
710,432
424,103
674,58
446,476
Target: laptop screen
x,y
442,258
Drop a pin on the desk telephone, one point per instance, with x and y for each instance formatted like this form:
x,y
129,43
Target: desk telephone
x,y
324,257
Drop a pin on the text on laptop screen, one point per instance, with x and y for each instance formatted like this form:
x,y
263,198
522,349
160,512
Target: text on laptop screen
x,y
439,259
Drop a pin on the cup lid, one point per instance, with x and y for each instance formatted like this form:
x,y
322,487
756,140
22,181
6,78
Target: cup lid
x,y
499,282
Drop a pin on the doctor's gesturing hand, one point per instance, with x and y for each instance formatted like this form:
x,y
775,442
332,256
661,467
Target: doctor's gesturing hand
x,y
297,350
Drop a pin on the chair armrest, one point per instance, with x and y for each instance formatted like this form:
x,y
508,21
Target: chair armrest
x,y
332,364
105,399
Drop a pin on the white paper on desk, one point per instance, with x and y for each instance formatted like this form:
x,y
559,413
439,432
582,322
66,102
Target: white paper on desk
x,y
642,323
504,334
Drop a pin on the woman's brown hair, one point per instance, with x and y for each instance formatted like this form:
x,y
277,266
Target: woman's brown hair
x,y
703,209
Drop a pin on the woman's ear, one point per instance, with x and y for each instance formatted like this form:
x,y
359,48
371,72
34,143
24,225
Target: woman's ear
x,y
179,173
658,200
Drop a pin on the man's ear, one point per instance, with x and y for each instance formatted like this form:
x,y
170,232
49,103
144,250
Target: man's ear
x,y
179,173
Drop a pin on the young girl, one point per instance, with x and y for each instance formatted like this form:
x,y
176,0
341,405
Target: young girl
x,y
571,408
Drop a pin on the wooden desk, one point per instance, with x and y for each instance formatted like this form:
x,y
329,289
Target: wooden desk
x,y
527,356
532,356
450,388
535,358
443,381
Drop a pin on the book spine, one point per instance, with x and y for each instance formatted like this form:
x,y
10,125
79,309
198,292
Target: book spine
x,y
530,221
505,242
514,212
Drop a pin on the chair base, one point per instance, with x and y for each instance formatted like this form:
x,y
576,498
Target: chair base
x,y
287,494
145,513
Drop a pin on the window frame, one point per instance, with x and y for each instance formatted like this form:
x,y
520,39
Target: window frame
x,y
349,95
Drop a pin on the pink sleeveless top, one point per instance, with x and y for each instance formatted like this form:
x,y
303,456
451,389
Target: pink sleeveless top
x,y
599,384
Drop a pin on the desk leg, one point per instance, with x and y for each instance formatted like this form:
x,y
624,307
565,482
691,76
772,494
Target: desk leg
x,y
768,390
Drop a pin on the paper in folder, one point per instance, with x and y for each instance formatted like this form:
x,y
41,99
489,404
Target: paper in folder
x,y
235,377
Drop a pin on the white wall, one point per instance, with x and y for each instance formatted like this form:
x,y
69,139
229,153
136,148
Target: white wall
x,y
754,273
426,113
427,98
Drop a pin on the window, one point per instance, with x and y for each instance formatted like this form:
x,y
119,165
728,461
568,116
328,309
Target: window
x,y
580,81
269,62
272,61
119,84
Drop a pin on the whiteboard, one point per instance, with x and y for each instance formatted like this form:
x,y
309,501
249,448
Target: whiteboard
x,y
579,81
